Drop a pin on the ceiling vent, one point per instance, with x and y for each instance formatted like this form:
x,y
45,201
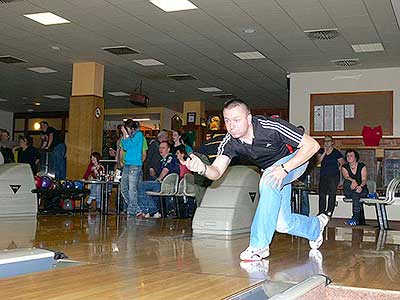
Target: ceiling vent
x,y
120,50
322,34
8,59
347,62
181,77
224,96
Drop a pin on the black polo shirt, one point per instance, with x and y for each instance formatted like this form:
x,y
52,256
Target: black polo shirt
x,y
271,137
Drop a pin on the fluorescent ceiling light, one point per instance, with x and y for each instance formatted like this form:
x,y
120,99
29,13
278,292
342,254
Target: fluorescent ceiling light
x,y
42,70
37,103
3,100
249,55
368,47
29,110
140,119
148,62
47,18
118,94
173,5
54,97
210,89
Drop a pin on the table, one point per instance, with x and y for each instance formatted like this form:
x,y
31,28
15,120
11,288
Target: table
x,y
104,193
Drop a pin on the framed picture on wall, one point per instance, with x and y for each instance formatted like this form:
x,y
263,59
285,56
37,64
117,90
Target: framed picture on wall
x,y
191,117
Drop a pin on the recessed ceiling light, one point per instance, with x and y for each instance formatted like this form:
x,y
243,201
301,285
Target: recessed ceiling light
x,y
173,5
171,91
47,18
37,103
249,55
210,89
368,47
136,119
42,70
55,48
148,62
118,94
54,97
249,30
3,100
29,110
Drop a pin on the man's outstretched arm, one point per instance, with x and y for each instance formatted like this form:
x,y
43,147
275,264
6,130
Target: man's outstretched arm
x,y
213,172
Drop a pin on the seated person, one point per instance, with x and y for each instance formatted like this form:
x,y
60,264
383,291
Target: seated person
x,y
182,155
94,172
355,185
150,205
28,154
5,148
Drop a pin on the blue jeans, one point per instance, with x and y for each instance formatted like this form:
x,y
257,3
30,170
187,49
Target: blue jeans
x,y
59,162
149,204
274,211
130,181
95,193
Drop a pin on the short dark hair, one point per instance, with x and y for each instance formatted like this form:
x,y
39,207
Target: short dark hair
x,y
44,122
356,154
231,103
132,124
27,139
6,131
97,155
168,144
301,127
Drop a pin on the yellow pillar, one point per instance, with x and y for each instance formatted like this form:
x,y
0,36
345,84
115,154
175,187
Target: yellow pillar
x,y
86,117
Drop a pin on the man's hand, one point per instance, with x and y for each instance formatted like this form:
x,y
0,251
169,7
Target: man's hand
x,y
358,189
194,164
152,172
275,176
123,130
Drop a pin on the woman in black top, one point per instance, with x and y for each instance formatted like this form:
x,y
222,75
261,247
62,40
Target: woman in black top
x,y
355,185
28,154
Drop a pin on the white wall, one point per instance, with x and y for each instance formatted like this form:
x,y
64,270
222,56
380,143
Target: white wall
x,y
304,84
7,120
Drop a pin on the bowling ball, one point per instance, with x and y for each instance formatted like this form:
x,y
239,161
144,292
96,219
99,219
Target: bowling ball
x,y
78,185
57,184
38,182
46,182
69,184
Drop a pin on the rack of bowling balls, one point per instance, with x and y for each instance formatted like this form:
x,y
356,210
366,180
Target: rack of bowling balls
x,y
59,194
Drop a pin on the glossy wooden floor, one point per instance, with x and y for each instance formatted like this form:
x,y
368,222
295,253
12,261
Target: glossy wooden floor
x,y
159,259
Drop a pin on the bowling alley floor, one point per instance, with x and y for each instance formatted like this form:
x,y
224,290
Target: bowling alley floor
x,y
160,259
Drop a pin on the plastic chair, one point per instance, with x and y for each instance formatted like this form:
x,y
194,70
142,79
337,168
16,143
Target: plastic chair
x,y
381,202
169,187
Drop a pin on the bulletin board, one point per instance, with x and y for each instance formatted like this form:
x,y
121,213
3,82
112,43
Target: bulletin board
x,y
345,114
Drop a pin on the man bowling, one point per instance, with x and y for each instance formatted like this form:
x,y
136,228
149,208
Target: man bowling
x,y
264,140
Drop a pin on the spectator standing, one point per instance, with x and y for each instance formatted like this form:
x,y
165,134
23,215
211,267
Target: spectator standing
x,y
57,148
331,163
